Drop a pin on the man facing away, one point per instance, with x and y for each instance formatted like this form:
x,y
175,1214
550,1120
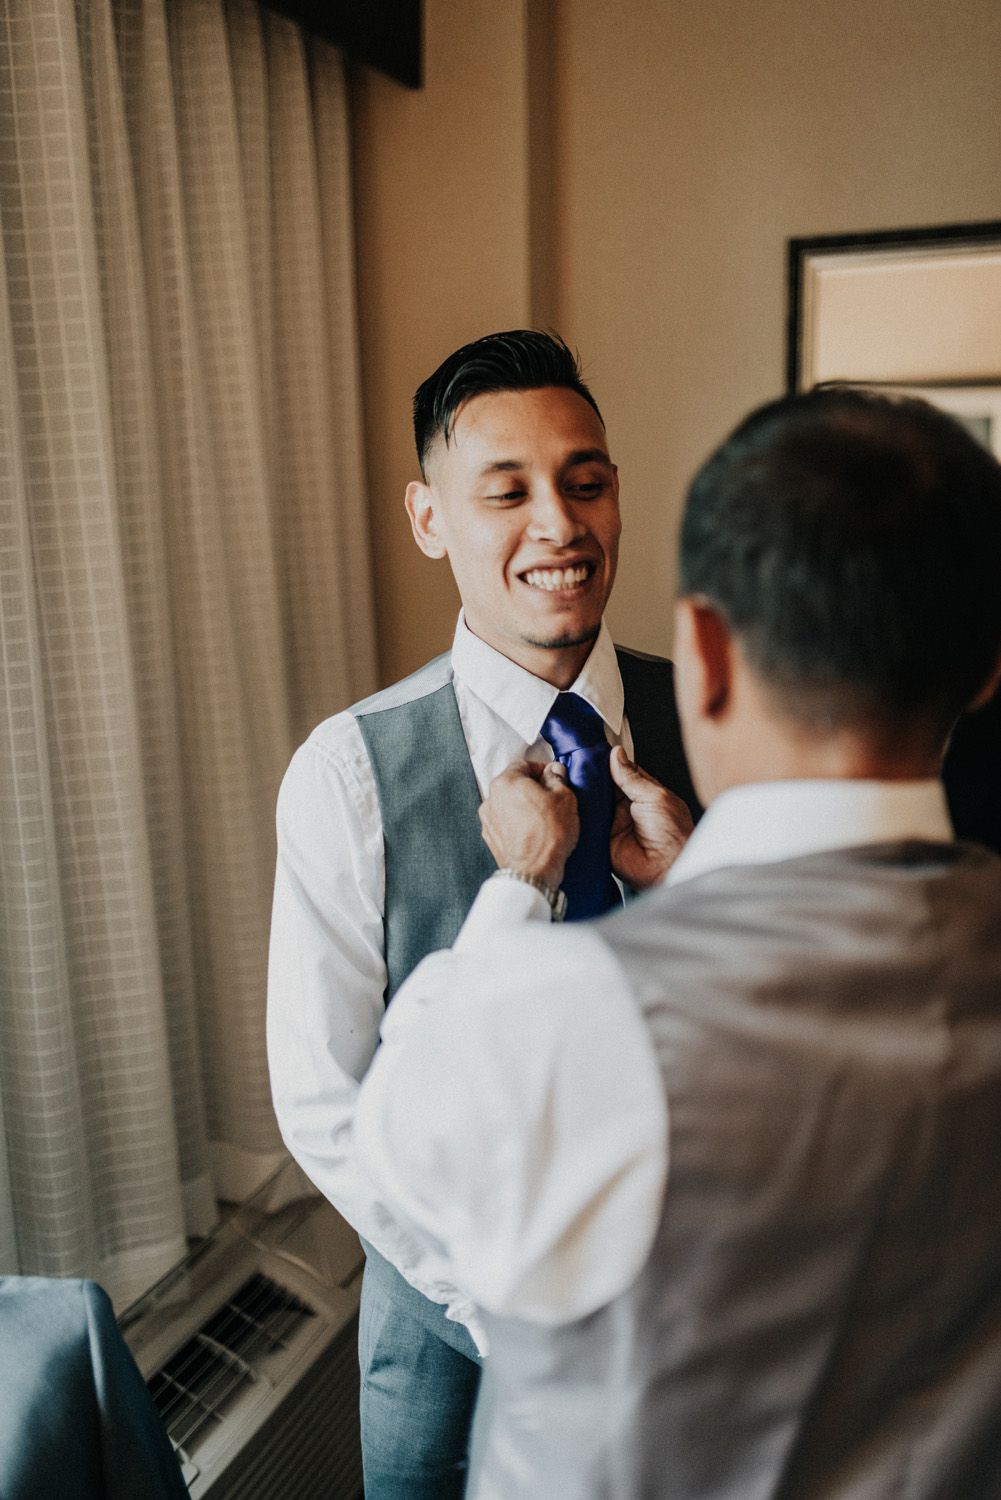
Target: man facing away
x,y
722,1169
380,848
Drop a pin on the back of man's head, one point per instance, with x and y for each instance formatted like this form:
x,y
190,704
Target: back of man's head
x,y
852,543
522,359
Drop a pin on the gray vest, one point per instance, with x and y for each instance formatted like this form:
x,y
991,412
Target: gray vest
x,y
820,1315
436,859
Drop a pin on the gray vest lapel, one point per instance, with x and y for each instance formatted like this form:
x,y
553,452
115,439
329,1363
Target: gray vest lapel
x,y
436,859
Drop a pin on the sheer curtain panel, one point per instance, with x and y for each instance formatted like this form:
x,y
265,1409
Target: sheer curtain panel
x,y
185,592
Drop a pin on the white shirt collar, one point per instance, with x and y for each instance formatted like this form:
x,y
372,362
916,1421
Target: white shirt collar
x,y
523,700
775,820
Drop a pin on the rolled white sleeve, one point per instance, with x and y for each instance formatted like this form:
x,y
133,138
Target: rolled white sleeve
x,y
515,1118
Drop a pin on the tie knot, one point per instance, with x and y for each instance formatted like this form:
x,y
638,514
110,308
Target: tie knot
x,y
573,725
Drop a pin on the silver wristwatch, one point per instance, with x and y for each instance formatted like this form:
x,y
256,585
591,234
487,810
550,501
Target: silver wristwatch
x,y
557,900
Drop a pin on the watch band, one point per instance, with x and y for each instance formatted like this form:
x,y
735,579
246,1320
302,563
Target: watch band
x,y
557,900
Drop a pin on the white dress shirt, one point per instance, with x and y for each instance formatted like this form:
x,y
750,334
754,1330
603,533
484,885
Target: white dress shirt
x,y
542,1167
327,970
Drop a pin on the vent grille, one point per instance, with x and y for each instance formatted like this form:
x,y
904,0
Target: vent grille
x,y
311,1450
198,1385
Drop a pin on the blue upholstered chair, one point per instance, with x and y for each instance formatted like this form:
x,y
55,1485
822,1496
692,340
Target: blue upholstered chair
x,y
76,1419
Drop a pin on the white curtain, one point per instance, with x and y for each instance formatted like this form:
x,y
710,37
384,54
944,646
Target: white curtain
x,y
184,593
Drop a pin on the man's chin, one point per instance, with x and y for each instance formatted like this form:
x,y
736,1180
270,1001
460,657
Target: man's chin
x,y
561,640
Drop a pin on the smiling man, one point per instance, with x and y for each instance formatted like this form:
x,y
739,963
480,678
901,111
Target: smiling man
x,y
521,494
380,849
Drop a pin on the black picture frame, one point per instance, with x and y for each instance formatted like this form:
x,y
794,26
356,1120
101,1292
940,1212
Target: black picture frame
x,y
984,233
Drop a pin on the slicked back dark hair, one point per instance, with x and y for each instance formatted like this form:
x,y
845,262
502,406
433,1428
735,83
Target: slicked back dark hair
x,y
852,541
520,360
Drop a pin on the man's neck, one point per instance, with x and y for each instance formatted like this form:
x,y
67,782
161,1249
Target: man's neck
x,y
772,753
560,666
754,739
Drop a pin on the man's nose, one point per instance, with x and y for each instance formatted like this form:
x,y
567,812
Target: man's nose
x,y
553,518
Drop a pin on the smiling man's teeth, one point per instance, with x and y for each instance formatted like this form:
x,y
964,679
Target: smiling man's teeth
x,y
557,578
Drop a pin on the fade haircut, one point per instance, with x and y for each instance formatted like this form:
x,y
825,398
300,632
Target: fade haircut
x,y
852,542
520,360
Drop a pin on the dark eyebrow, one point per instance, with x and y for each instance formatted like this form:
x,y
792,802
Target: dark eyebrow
x,y
579,456
588,456
502,466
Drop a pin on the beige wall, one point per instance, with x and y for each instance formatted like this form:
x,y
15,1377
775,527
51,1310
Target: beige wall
x,y
633,175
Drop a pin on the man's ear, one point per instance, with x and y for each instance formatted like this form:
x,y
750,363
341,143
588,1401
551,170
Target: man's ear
x,y
703,657
422,510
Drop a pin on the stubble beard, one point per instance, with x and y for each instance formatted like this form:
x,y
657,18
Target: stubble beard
x,y
567,638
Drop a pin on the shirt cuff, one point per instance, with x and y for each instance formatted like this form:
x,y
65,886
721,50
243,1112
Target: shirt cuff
x,y
501,903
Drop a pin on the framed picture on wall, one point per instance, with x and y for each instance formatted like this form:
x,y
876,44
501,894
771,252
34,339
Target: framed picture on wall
x,y
896,307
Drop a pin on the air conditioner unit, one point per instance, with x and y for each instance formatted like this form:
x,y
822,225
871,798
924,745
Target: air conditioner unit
x,y
250,1350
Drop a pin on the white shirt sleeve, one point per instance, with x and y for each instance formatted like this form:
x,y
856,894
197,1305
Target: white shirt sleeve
x,y
326,984
514,1117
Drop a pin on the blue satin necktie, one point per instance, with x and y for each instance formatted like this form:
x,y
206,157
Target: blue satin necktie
x,y
576,733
